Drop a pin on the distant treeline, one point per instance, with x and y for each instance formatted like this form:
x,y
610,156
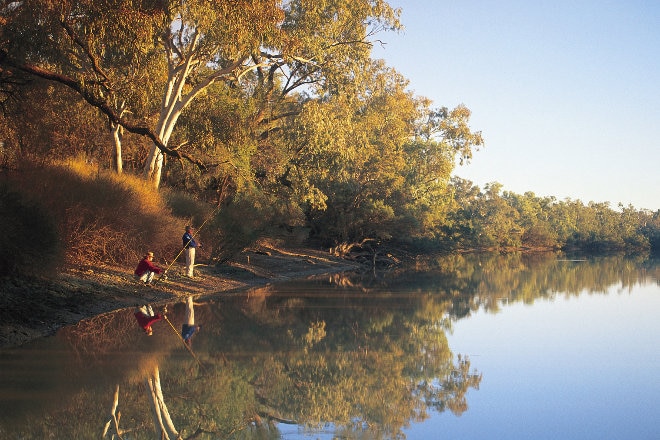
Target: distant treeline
x,y
496,219
273,115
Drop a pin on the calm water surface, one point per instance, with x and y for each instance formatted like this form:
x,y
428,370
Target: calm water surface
x,y
461,348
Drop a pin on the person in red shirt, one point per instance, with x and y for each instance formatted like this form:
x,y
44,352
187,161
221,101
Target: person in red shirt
x,y
146,269
146,317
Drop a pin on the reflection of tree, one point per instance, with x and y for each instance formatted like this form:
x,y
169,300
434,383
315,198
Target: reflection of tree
x,y
368,360
453,388
360,389
380,363
485,280
112,427
374,369
162,421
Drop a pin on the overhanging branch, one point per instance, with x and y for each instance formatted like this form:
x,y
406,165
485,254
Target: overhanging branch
x,y
100,104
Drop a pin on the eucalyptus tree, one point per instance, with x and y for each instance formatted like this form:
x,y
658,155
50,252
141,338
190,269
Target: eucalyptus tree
x,y
459,228
373,160
491,219
442,139
533,221
100,50
354,153
193,44
650,228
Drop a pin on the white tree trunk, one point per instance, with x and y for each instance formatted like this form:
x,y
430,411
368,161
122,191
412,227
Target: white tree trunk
x,y
118,163
169,114
154,167
182,62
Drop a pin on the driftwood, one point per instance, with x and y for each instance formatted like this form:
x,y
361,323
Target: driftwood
x,y
344,249
364,253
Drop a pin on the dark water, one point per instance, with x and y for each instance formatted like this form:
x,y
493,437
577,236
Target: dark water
x,y
462,347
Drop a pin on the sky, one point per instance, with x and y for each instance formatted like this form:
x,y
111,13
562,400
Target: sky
x,y
565,93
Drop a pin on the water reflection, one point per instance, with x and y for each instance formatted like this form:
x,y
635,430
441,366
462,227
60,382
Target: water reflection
x,y
368,356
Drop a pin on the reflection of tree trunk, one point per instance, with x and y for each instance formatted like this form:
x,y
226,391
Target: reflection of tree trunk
x,y
111,427
164,426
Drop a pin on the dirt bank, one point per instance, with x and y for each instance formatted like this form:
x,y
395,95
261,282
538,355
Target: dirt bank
x,y
32,308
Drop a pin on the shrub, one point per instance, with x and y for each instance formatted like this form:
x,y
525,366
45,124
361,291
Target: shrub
x,y
100,216
29,241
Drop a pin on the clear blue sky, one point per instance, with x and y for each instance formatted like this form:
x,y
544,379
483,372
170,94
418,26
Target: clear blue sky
x,y
565,93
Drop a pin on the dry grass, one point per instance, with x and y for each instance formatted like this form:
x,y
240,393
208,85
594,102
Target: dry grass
x,y
101,216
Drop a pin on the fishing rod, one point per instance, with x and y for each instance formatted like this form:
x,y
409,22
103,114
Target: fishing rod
x,y
192,236
184,342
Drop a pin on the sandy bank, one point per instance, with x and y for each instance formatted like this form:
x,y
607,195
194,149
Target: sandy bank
x,y
33,308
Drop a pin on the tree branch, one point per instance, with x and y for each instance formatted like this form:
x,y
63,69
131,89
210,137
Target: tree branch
x,y
86,50
100,104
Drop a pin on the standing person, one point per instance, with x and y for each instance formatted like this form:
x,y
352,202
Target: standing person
x,y
146,269
189,327
146,317
189,244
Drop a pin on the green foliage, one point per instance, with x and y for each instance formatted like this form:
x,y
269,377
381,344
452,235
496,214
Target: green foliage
x,y
219,131
186,206
378,155
239,224
491,219
286,118
651,229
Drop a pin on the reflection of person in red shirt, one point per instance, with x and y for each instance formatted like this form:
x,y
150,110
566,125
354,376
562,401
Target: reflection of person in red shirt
x,y
145,317
146,269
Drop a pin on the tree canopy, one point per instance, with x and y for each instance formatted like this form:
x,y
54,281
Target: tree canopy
x,y
276,111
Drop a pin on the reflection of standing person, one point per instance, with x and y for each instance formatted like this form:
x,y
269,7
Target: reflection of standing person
x,y
146,269
189,327
145,317
189,245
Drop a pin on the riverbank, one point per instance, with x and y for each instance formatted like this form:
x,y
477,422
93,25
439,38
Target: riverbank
x,y
34,308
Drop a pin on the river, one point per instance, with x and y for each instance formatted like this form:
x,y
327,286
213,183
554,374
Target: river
x,y
460,347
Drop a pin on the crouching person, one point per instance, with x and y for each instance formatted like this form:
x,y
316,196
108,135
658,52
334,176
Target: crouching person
x,y
146,269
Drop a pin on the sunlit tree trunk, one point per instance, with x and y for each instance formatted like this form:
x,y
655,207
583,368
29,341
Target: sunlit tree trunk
x,y
182,63
117,131
172,104
154,167
118,163
156,159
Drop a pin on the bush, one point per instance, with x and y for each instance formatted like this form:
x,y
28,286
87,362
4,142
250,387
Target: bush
x,y
100,216
186,207
29,241
239,224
